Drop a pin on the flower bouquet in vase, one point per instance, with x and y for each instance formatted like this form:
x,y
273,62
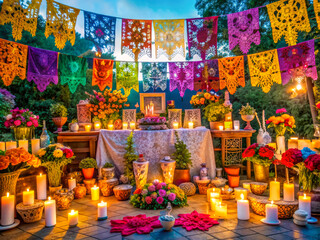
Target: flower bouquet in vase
x,y
281,123
54,158
12,163
262,156
23,122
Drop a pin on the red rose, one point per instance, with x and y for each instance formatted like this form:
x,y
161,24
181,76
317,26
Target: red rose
x,y
266,152
68,152
248,153
313,162
291,157
137,191
254,146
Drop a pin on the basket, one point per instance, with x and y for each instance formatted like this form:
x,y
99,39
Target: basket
x,y
203,186
107,186
285,209
31,213
122,192
258,188
8,182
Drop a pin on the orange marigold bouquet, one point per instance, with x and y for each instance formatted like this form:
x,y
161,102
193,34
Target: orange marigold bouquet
x,y
16,159
107,106
203,99
281,122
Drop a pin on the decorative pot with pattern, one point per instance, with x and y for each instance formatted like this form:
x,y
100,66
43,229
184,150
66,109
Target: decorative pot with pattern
x,y
53,190
59,122
189,188
74,127
63,198
80,191
140,170
107,173
107,186
248,119
89,183
181,176
122,192
168,168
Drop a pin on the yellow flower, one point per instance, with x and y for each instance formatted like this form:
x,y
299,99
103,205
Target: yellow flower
x,y
41,152
207,95
57,153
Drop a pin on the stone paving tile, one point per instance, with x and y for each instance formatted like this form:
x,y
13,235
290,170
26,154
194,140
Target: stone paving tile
x,y
160,234
19,236
184,232
244,232
202,236
43,232
65,235
216,229
255,237
225,235
105,235
281,237
269,230
90,231
296,235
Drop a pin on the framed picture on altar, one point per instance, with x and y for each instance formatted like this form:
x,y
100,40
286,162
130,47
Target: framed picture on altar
x,y
158,99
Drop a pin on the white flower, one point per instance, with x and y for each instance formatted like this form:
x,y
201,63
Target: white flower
x,y
8,117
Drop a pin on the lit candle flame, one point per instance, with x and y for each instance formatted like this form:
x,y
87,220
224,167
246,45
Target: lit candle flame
x,y
304,196
71,178
242,196
8,194
40,174
27,189
49,198
275,179
94,186
72,211
272,202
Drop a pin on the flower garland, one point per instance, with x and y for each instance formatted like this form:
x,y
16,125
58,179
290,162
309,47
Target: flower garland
x,y
156,195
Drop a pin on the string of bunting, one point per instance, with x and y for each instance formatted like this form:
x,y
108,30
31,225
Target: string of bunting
x,y
265,68
287,18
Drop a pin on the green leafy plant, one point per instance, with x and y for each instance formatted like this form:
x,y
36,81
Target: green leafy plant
x,y
216,111
182,154
108,165
74,121
58,110
247,110
129,157
88,163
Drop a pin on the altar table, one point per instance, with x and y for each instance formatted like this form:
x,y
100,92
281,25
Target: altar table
x,y
155,145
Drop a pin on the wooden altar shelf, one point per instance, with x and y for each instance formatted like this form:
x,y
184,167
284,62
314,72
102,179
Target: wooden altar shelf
x,y
228,136
285,209
83,144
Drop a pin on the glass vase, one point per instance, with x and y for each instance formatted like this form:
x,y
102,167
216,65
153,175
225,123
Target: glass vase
x,y
281,145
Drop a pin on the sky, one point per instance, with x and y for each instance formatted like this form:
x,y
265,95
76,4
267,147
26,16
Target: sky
x,y
135,9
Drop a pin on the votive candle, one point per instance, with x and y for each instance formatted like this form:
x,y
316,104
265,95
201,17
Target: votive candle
x,y
132,125
293,142
305,204
110,127
125,126
11,145
274,190
24,144
246,186
288,192
271,212
35,145
302,143
72,183
28,197
221,210
220,127
190,125
175,125
236,125
214,202
73,218
2,146
238,192
102,210
97,126
95,194
50,212
243,208
87,127
41,186
7,210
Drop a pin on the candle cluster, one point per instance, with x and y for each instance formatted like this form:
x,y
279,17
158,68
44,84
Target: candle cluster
x,y
35,145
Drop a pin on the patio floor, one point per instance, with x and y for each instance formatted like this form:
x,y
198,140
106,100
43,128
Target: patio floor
x,y
89,228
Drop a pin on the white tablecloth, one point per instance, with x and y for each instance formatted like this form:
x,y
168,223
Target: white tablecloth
x,y
155,145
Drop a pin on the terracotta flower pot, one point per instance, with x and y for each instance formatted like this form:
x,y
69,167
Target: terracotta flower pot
x,y
215,125
59,122
248,119
88,173
233,181
181,176
232,170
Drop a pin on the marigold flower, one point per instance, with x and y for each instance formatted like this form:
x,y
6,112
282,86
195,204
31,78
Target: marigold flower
x,y
57,153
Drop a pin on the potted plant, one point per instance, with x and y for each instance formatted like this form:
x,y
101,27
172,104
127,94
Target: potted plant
x,y
215,113
59,115
129,157
88,165
54,158
107,171
182,157
262,156
247,114
12,163
23,122
282,123
74,126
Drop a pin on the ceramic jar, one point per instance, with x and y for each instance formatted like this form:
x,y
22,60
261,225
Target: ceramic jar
x,y
80,191
63,198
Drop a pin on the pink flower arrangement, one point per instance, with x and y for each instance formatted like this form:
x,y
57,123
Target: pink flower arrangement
x,y
21,118
153,120
148,200
154,195
162,193
281,110
172,196
159,200
151,188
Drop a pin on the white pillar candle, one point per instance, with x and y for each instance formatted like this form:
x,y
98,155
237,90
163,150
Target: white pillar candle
x,y
73,218
305,204
274,190
72,183
50,212
190,125
220,127
246,186
23,144
271,212
132,125
293,142
102,210
95,193
110,127
28,197
175,125
236,125
214,202
42,187
243,208
35,146
288,192
11,145
2,146
221,210
240,191
125,126
7,210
